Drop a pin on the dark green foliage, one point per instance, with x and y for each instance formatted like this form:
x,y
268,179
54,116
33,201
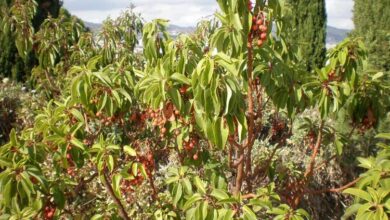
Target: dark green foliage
x,y
309,21
372,22
11,64
7,117
46,8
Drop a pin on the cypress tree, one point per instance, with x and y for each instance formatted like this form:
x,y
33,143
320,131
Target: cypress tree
x,y
308,18
372,23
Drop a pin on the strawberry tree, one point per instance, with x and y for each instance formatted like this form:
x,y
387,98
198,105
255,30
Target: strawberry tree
x,y
174,133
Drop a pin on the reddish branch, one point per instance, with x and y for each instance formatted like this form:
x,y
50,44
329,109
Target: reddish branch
x,y
238,162
250,92
151,181
83,182
249,196
230,156
309,169
298,187
240,173
110,190
249,142
335,190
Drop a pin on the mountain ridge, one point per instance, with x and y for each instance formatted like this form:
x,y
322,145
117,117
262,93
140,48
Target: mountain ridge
x,y
334,35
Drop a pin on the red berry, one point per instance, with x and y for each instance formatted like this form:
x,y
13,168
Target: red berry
x,y
33,180
255,27
260,22
183,90
254,20
50,214
263,36
150,157
133,117
260,43
195,157
263,28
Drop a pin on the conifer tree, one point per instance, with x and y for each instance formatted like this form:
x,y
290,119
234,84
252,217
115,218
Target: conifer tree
x,y
308,19
372,22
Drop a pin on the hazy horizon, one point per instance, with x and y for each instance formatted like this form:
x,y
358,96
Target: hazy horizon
x,y
185,12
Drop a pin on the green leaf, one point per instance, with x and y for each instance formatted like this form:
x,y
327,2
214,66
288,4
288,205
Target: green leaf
x,y
199,185
236,22
378,75
181,78
383,136
187,185
129,150
350,211
143,171
77,143
116,180
194,198
219,194
110,163
365,163
359,193
177,194
59,197
248,213
134,169
339,146
176,98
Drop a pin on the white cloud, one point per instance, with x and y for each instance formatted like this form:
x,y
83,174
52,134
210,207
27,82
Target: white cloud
x,y
340,13
184,12
96,16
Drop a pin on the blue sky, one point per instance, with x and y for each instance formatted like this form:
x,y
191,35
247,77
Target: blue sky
x,y
184,12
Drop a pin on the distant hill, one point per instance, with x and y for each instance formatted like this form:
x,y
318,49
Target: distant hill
x,y
334,35
93,26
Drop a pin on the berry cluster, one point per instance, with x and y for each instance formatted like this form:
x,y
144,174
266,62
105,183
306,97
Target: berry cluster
x,y
259,29
128,186
71,169
49,211
277,127
108,121
148,163
160,117
368,121
192,147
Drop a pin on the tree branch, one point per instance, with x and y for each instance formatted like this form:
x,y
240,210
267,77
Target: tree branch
x,y
335,190
309,170
110,190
